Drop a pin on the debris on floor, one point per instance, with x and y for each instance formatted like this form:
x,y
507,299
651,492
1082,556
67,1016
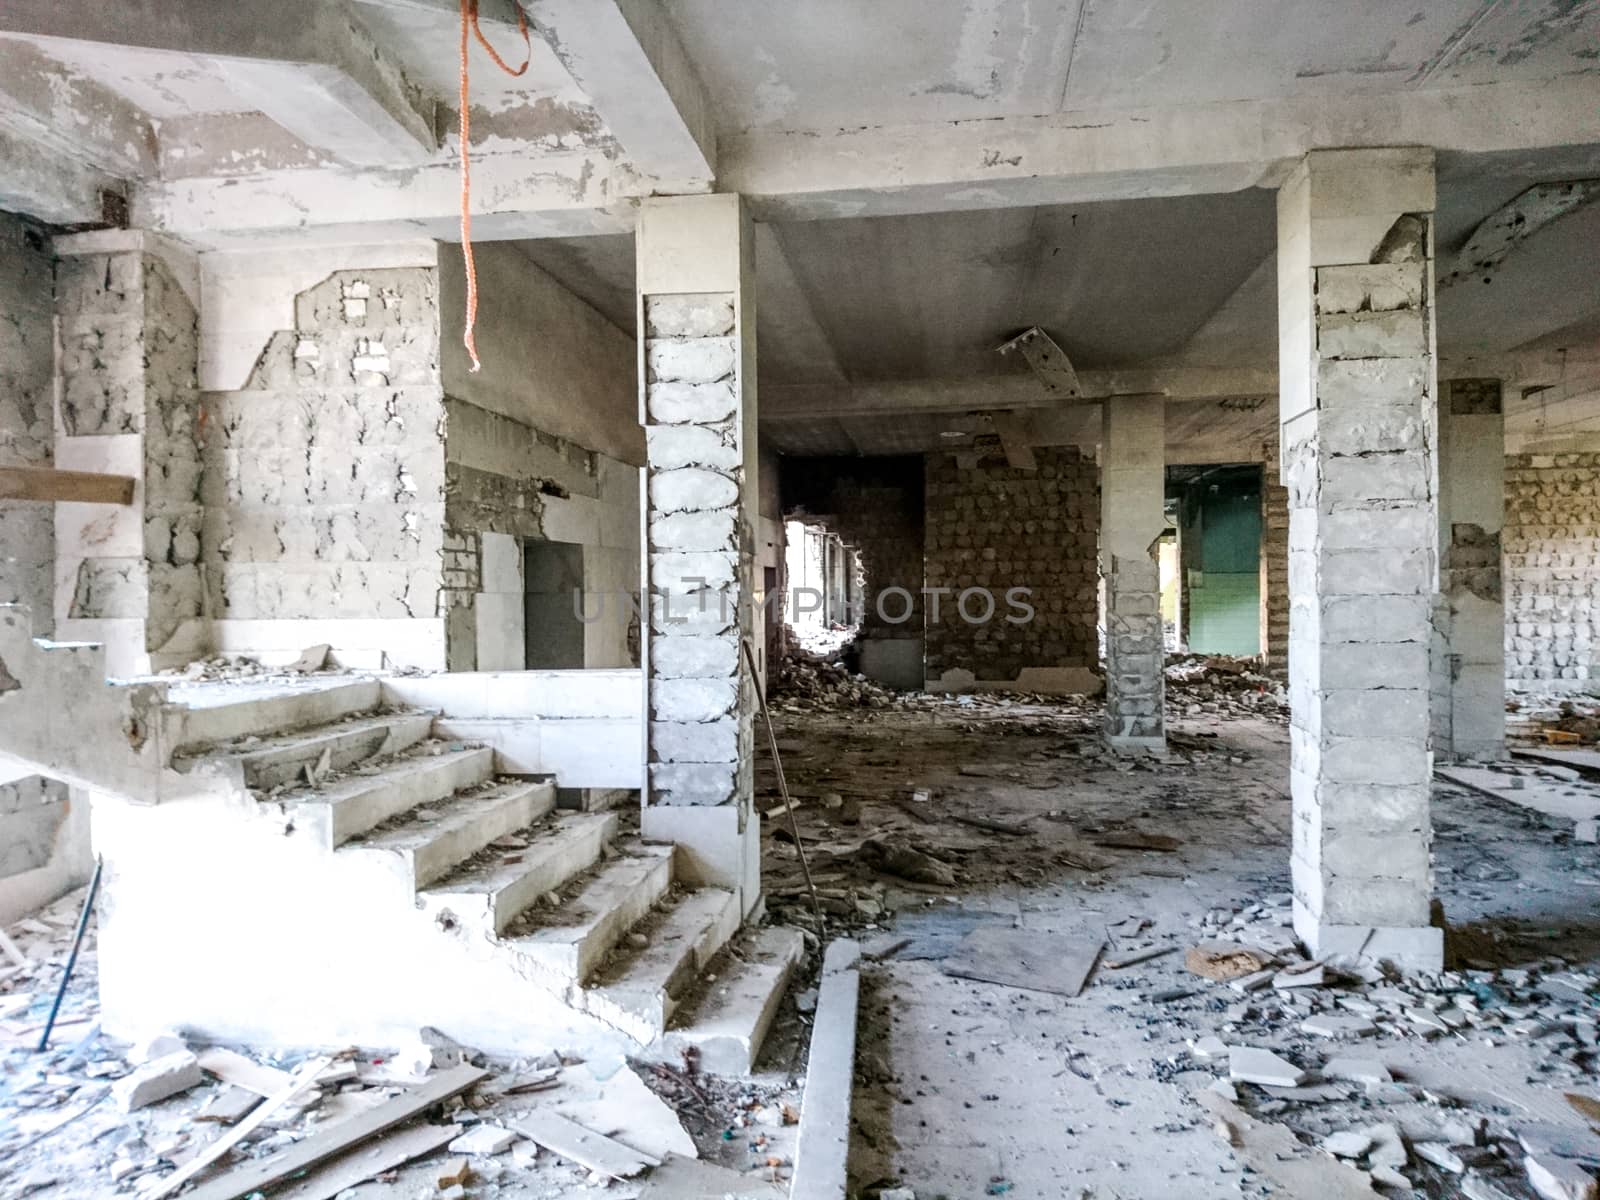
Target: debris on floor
x,y
95,1117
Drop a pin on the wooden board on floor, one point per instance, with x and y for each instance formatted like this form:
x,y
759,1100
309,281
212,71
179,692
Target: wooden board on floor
x,y
366,1162
73,487
1025,958
262,1173
233,1067
582,1146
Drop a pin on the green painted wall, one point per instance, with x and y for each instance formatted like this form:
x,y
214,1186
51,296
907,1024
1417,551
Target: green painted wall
x,y
1225,584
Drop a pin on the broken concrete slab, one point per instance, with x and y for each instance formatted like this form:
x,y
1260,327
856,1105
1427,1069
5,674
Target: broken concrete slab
x,y
1251,1064
1022,958
157,1080
484,1139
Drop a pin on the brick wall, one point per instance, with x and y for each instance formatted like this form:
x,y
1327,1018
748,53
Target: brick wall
x,y
992,526
1274,565
1552,570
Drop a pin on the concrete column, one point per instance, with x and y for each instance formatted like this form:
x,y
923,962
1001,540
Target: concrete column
x,y
127,316
1132,520
1469,716
1356,351
696,285
1274,563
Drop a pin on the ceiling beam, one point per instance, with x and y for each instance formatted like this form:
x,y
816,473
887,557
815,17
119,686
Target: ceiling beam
x,y
1510,225
568,194
1009,392
1083,156
48,187
311,65
64,487
70,115
626,56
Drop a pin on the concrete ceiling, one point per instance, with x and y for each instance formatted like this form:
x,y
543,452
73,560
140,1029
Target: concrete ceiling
x,y
819,64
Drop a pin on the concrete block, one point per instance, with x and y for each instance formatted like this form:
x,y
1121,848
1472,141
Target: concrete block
x,y
685,616
694,657
1371,481
1377,808
1379,712
692,315
675,402
1398,334
1356,666
1366,900
1366,619
691,489
824,1141
157,1080
695,741
680,445
1358,859
1373,427
1397,526
693,570
702,531
1342,382
699,360
1379,760
701,784
1375,287
692,699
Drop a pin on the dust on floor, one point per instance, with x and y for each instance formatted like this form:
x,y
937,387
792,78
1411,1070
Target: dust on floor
x,y
968,1088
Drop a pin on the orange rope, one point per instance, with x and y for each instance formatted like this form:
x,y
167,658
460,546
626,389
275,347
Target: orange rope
x,y
469,21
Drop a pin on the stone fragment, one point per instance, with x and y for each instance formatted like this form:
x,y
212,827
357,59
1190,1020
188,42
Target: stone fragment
x,y
1388,1148
1391,1178
1557,1178
1347,1143
1439,1155
697,360
1301,975
483,1139
1331,1025
158,1079
1251,1064
154,1046
453,1172
1211,1047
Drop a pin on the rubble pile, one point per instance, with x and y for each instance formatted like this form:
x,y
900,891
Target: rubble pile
x,y
1304,1043
1554,720
92,1116
804,682
1217,685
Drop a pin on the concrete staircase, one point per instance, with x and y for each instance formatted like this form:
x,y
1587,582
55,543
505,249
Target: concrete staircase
x,y
570,903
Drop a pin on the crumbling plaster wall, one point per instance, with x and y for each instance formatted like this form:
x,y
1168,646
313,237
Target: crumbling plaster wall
x,y
44,842
325,474
997,527
1551,565
542,443
127,319
27,435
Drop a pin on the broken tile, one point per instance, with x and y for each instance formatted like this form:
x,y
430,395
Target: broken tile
x,y
1251,1064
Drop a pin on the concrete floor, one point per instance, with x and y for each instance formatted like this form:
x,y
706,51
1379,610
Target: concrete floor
x,y
968,1089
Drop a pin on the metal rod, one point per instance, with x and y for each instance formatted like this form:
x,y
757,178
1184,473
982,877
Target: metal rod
x,y
72,959
783,784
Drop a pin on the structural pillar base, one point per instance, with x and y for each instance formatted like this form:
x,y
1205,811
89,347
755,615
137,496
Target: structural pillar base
x,y
1409,947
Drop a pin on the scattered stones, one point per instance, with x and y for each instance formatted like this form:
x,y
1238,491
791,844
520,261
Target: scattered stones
x,y
1330,1025
158,1079
484,1139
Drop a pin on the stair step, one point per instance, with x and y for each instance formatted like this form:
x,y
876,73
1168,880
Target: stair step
x,y
727,1022
641,988
193,724
485,897
336,813
283,760
424,845
566,945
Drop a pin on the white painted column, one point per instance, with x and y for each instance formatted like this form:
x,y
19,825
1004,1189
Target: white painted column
x,y
696,296
1356,350
1469,714
1132,520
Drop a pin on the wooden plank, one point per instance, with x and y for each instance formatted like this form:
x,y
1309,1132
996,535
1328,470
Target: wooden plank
x,y
583,1146
73,487
300,1082
261,1174
232,1067
359,1165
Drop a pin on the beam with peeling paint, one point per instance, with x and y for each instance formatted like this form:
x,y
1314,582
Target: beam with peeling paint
x,y
1502,231
311,65
49,187
1081,156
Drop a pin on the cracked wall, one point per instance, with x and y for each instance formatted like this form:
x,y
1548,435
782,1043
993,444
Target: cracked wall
x,y
996,527
27,363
